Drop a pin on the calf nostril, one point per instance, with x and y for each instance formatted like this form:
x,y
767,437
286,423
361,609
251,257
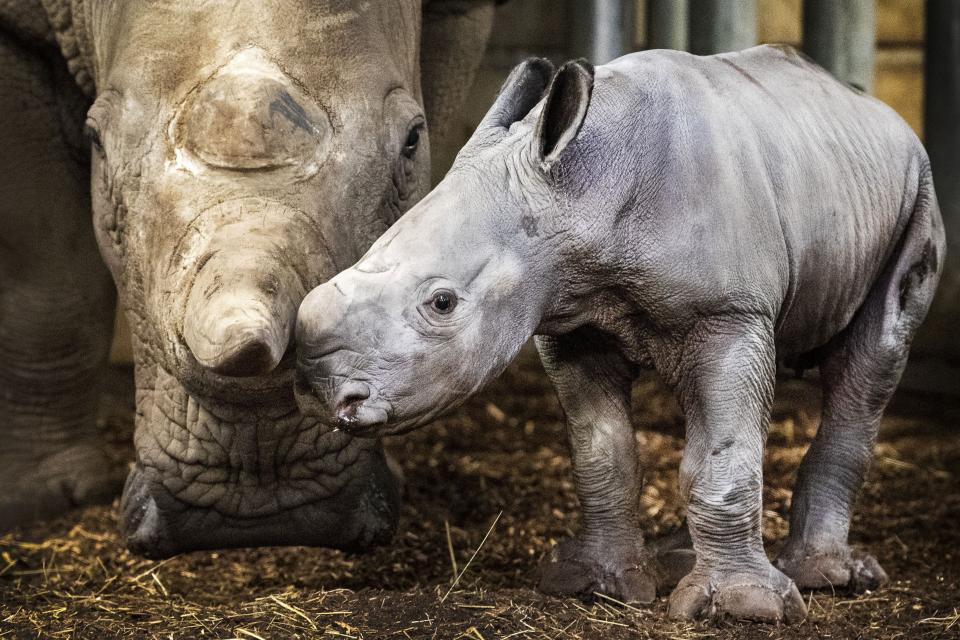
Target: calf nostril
x,y
351,394
348,405
354,398
349,401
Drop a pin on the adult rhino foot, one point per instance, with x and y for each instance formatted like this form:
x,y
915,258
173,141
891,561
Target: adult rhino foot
x,y
839,568
763,594
75,476
630,574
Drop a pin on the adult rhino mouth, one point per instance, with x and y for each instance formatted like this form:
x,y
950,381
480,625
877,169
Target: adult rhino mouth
x,y
211,474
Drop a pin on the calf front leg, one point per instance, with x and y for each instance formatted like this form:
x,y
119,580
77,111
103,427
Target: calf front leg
x,y
723,373
593,382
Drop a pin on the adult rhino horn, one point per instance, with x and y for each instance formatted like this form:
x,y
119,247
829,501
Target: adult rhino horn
x,y
237,333
241,308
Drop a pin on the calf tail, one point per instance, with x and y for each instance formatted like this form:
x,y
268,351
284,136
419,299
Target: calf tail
x,y
918,263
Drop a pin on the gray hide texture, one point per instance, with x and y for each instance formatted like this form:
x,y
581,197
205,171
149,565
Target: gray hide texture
x,y
704,216
236,156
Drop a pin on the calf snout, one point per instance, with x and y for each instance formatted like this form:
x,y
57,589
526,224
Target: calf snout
x,y
351,405
322,311
358,410
329,377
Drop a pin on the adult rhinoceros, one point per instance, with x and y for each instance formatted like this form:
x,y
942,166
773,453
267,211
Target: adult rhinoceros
x,y
243,152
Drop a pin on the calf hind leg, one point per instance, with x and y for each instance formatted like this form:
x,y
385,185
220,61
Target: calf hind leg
x,y
859,375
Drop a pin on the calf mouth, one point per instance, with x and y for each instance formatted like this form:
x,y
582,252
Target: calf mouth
x,y
211,476
345,404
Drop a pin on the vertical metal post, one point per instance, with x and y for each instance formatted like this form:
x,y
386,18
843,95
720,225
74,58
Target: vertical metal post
x,y
603,29
841,36
942,138
668,24
722,25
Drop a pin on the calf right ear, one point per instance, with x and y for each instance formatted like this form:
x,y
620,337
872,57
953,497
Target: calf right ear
x,y
522,90
564,110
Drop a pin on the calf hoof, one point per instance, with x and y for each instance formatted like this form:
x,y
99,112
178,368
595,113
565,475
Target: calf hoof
x,y
77,476
840,568
764,595
573,568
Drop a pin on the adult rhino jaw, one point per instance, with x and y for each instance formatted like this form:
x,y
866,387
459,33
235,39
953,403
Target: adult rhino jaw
x,y
208,476
214,474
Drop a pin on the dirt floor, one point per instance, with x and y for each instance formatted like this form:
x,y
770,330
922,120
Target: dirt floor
x,y
497,473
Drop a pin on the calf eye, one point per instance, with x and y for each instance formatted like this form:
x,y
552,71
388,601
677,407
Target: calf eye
x,y
443,301
412,142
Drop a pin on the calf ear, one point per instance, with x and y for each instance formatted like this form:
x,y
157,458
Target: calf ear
x,y
520,92
564,111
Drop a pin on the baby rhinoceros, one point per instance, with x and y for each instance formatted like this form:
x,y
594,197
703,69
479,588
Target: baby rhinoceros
x,y
704,216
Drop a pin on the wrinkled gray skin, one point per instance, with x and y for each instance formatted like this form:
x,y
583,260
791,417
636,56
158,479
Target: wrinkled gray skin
x,y
240,153
701,215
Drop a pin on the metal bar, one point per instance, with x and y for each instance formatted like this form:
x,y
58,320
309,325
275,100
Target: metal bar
x,y
942,138
722,25
603,29
668,24
841,36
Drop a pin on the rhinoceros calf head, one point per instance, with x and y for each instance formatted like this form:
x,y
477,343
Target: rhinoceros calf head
x,y
448,296
244,152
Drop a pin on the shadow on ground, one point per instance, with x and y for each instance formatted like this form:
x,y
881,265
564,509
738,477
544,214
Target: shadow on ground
x,y
503,453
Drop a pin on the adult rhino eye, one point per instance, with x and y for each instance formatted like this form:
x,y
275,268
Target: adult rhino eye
x,y
443,302
412,142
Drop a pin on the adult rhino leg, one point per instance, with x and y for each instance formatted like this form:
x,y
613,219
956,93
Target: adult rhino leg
x,y
593,382
859,375
56,296
723,372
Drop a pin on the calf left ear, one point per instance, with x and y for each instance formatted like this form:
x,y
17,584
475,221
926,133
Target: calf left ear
x,y
564,110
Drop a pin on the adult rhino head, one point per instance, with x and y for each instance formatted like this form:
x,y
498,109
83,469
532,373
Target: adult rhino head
x,y
243,153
